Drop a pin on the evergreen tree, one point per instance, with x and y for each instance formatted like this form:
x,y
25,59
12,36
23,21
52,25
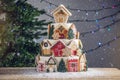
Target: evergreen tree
x,y
70,34
62,67
51,32
25,27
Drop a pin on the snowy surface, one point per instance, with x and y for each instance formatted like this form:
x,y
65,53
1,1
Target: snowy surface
x,y
31,72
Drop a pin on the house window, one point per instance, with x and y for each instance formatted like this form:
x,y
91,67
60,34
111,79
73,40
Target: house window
x,y
61,18
73,65
46,44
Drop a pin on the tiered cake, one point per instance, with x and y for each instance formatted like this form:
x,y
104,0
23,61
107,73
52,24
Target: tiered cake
x,y
62,51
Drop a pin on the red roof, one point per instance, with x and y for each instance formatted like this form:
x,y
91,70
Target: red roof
x,y
57,43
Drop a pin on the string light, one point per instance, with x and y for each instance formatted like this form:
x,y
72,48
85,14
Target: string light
x,y
91,20
78,10
86,13
96,21
84,10
109,29
102,44
103,6
92,32
98,29
96,12
99,43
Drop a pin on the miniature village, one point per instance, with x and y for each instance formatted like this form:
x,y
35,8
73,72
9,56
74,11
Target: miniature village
x,y
62,51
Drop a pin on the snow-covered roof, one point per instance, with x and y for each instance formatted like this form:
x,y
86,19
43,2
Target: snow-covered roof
x,y
83,58
64,25
73,57
63,8
66,42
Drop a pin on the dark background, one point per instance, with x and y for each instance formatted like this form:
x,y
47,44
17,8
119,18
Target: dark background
x,y
105,56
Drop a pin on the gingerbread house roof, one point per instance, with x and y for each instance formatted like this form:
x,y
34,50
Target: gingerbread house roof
x,y
67,43
77,42
64,41
80,44
63,8
46,41
83,58
65,25
58,42
51,61
74,42
73,57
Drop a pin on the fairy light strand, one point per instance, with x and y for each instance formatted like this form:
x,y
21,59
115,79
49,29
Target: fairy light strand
x,y
85,10
101,45
98,29
89,20
94,20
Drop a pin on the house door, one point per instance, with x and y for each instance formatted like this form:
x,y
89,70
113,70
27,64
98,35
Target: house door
x,y
74,67
57,49
58,52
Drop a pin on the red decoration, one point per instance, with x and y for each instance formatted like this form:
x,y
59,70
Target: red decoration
x,y
74,52
61,36
57,48
40,67
73,65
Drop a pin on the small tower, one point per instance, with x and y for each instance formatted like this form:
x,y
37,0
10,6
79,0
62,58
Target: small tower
x,y
61,14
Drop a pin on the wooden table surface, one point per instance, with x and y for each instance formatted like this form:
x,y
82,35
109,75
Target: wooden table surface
x,y
29,73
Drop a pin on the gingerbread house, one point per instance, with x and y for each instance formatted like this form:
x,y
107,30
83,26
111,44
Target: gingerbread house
x,y
61,14
73,64
46,48
51,64
62,31
41,66
83,63
57,49
62,50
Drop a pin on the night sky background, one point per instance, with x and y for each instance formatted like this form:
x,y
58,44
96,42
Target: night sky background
x,y
103,44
